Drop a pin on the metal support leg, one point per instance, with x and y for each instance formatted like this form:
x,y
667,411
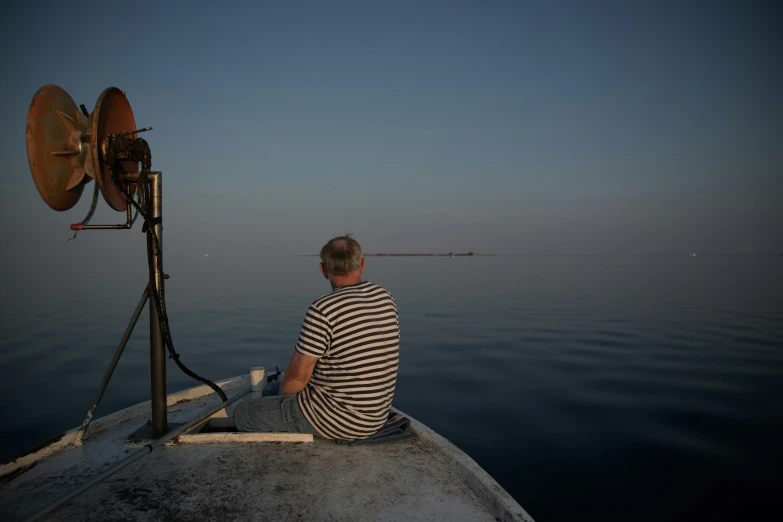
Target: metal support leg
x,y
113,364
157,349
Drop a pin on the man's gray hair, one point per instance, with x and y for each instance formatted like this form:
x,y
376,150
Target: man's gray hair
x,y
341,256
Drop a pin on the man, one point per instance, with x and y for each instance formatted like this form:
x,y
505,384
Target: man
x,y
340,382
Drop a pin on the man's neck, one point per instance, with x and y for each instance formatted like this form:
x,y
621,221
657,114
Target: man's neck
x,y
341,281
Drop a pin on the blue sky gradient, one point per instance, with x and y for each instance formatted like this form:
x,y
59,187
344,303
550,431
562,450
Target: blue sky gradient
x,y
508,127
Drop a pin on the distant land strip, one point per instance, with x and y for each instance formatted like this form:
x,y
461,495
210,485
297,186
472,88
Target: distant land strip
x,y
450,254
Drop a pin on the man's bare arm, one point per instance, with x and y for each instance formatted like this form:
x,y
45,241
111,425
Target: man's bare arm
x,y
298,373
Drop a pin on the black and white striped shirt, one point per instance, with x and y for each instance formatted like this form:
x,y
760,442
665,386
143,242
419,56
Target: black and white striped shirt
x,y
355,333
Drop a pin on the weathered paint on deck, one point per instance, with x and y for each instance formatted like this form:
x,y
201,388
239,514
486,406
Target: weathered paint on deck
x,y
424,478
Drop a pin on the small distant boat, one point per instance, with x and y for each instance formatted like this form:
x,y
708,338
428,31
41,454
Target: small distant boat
x,y
207,255
693,254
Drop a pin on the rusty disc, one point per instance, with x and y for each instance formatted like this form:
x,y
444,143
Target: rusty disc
x,y
54,147
112,115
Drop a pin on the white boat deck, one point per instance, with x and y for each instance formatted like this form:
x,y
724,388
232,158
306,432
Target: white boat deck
x,y
423,478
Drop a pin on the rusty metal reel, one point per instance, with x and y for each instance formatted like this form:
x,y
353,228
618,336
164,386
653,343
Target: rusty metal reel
x,y
56,147
112,115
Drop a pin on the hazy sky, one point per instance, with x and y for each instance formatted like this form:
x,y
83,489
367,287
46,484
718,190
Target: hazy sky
x,y
508,127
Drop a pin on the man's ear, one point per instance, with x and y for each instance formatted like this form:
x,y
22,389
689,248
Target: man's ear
x,y
361,268
323,271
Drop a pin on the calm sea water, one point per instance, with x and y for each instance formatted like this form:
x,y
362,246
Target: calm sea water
x,y
625,388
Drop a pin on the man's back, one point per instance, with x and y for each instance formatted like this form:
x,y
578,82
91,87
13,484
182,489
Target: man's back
x,y
355,333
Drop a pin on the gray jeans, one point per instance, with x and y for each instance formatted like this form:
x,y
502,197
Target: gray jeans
x,y
272,413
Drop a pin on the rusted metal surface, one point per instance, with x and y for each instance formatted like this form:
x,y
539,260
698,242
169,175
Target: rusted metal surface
x,y
128,177
56,148
112,115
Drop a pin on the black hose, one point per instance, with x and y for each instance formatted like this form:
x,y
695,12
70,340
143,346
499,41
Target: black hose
x,y
159,297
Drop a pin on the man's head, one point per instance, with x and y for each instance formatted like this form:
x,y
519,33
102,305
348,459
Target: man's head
x,y
342,261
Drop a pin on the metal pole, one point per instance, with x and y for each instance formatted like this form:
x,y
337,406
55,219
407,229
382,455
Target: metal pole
x,y
113,363
157,349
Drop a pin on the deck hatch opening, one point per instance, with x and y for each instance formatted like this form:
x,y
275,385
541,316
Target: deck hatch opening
x,y
221,429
